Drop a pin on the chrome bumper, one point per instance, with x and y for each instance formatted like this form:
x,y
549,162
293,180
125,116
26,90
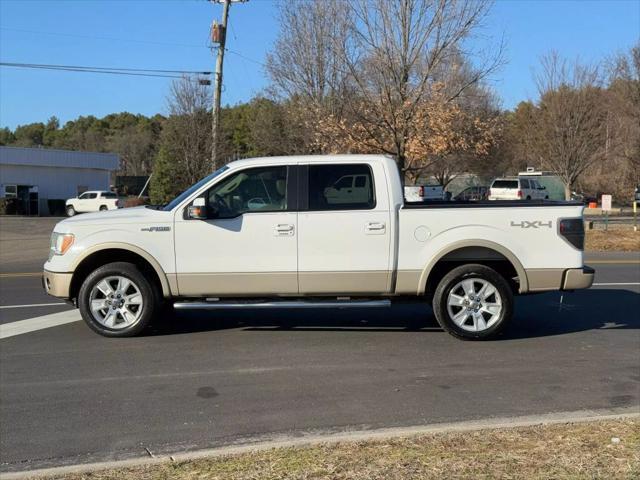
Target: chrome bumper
x,y
56,284
577,278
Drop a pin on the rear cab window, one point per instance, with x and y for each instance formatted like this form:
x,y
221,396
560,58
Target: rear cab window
x,y
341,187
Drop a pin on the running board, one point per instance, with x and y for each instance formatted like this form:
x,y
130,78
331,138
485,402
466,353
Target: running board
x,y
224,305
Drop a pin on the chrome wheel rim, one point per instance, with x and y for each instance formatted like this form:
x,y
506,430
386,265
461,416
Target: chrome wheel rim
x,y
116,302
474,304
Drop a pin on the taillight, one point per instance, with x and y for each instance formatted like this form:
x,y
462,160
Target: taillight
x,y
519,193
422,191
572,230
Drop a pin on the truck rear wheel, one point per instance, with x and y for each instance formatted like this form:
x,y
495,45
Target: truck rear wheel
x,y
117,300
473,302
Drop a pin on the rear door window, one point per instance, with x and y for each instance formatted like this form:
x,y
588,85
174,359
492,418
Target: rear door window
x,y
524,183
505,184
332,187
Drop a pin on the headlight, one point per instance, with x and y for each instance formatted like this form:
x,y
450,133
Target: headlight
x,y
60,243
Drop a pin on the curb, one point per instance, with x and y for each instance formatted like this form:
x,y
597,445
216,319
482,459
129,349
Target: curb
x,y
311,439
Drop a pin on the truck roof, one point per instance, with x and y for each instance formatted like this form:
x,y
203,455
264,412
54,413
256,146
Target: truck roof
x,y
341,158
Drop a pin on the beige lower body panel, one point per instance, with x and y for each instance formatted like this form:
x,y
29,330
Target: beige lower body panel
x,y
543,279
272,283
57,284
238,284
408,282
344,283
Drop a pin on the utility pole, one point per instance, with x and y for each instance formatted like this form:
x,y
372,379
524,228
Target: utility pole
x,y
219,36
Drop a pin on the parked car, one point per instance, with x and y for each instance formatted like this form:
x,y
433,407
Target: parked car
x,y
473,193
637,195
92,201
420,193
583,197
268,232
517,188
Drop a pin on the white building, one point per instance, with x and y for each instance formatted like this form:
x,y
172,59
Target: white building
x,y
39,178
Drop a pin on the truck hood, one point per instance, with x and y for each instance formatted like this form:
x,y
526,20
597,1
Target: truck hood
x,y
138,215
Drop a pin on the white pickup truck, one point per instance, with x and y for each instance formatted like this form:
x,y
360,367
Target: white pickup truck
x,y
92,201
284,232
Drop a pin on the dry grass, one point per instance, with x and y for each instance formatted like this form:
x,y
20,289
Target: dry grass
x,y
620,238
567,451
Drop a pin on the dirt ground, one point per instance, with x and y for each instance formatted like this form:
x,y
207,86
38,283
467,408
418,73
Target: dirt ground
x,y
603,449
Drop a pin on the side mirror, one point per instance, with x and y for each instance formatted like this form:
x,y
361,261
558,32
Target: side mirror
x,y
197,211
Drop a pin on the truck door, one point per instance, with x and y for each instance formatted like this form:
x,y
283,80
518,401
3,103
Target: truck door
x,y
344,239
249,245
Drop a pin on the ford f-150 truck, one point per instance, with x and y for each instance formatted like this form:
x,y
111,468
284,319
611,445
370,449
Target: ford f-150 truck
x,y
288,232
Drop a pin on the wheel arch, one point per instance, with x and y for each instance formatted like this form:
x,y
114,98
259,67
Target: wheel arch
x,y
104,253
471,251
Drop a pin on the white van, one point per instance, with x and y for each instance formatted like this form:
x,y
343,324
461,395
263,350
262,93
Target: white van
x,y
517,188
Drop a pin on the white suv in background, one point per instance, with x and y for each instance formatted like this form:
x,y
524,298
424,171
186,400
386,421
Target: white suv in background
x,y
92,201
517,188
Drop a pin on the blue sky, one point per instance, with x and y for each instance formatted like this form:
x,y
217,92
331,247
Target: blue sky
x,y
166,34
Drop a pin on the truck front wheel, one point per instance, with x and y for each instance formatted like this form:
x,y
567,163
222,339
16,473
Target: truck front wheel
x,y
71,211
473,302
117,300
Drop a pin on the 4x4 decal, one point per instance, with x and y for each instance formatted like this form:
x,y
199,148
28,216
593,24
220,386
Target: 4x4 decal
x,y
534,224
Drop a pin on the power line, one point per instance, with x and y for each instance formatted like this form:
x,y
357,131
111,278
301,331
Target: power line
x,y
131,40
138,72
153,70
245,57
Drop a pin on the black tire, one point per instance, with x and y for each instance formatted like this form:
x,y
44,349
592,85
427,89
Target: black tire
x,y
451,280
103,208
70,211
151,297
528,197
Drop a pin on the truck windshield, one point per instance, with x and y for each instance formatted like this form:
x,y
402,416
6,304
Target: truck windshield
x,y
176,201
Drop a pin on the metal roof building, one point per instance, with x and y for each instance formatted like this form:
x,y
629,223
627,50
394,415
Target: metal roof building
x,y
38,178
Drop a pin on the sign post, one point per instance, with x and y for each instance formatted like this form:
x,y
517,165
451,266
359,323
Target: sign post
x,y
606,208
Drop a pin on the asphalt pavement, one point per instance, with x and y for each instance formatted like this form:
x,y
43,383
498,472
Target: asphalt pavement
x,y
203,379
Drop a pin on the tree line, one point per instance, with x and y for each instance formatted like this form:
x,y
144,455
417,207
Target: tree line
x,y
404,77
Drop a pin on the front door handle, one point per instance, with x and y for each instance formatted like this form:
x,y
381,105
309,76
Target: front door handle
x,y
375,227
285,229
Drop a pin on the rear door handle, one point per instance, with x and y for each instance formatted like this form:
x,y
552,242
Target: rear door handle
x,y
284,229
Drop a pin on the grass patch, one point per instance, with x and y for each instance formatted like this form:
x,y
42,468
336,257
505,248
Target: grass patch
x,y
581,450
620,238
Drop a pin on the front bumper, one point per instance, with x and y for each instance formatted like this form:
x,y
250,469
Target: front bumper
x,y
56,284
577,278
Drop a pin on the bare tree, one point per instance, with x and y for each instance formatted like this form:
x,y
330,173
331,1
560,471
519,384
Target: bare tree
x,y
567,129
398,55
624,106
304,61
187,132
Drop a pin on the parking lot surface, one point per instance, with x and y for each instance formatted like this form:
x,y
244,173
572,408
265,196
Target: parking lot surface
x,y
202,380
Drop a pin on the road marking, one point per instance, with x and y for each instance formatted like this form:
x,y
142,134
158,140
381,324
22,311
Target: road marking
x,y
612,262
33,305
38,323
21,274
615,284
